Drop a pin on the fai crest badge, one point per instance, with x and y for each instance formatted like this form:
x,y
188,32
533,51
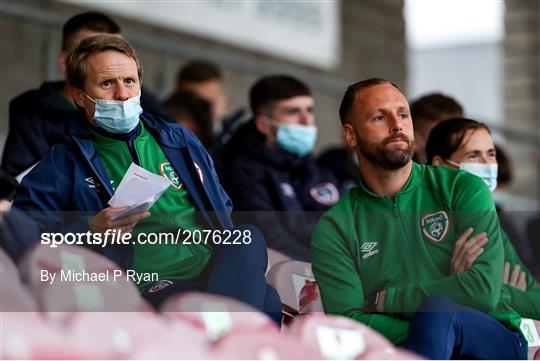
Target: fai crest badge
x,y
325,193
168,171
435,226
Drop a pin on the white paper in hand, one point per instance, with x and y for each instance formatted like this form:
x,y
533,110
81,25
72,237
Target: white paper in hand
x,y
138,190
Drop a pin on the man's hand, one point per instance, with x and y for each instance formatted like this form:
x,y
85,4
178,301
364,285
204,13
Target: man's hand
x,y
467,250
517,279
102,221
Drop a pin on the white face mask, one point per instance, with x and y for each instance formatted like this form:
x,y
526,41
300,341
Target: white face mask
x,y
487,171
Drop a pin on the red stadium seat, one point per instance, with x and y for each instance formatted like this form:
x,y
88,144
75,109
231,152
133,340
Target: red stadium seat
x,y
8,270
15,297
178,340
537,355
63,258
338,337
119,295
115,335
25,335
217,315
112,292
296,286
275,257
254,346
531,331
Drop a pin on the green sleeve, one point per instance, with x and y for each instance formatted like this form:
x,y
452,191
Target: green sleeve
x,y
480,286
526,303
340,284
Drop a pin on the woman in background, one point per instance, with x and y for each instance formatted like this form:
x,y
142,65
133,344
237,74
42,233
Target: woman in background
x,y
466,144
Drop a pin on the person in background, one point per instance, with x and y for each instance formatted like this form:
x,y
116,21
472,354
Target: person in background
x,y
205,79
466,144
37,118
427,111
191,111
268,167
382,255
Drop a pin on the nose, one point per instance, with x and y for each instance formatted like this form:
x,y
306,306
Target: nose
x,y
306,118
395,123
121,92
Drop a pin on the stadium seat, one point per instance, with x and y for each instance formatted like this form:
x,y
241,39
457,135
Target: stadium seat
x,y
119,295
254,346
531,331
25,335
338,337
62,258
8,270
177,340
275,257
537,355
114,335
15,297
296,286
217,315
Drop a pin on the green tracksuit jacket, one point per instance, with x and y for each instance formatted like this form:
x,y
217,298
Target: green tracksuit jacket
x,y
367,243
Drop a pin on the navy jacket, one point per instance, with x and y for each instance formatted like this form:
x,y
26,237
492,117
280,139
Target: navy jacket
x,y
71,182
37,119
287,193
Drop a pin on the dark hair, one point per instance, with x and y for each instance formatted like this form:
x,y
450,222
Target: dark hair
x,y
350,95
77,59
94,21
198,71
187,105
435,106
447,136
504,174
270,89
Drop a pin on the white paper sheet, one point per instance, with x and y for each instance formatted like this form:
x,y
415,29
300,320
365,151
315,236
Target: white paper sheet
x,y
138,190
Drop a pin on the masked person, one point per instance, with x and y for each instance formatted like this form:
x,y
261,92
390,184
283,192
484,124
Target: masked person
x,y
81,175
467,145
382,255
268,167
37,118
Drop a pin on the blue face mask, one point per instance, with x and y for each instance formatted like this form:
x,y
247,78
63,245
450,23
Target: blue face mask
x,y
116,116
487,171
296,139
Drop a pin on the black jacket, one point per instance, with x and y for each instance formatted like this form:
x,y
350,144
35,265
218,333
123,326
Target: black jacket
x,y
287,192
37,119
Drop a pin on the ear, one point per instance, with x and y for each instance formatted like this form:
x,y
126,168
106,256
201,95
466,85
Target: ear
x,y
262,124
78,96
349,136
62,58
437,160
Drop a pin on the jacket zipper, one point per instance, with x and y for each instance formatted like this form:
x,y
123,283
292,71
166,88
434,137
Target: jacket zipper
x,y
399,222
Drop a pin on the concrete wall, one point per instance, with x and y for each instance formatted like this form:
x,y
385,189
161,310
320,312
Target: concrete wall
x,y
522,93
373,44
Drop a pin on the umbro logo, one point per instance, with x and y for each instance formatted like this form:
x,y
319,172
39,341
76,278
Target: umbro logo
x,y
92,183
368,249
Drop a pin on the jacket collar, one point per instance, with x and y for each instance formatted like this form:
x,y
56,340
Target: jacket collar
x,y
415,180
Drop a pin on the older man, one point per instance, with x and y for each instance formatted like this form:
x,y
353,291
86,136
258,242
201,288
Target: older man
x,y
82,175
382,254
